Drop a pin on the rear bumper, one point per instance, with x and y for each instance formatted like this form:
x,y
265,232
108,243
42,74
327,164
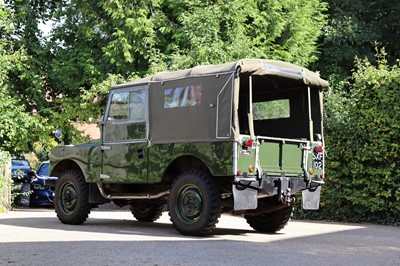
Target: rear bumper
x,y
248,190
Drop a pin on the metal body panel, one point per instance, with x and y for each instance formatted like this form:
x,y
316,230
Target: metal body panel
x,y
217,156
87,156
125,163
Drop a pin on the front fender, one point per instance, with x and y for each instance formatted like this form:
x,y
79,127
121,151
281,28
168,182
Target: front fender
x,y
84,157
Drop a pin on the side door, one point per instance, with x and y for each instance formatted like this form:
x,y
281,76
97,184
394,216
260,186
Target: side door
x,y
125,136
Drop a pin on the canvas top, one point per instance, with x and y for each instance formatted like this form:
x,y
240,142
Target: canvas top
x,y
244,66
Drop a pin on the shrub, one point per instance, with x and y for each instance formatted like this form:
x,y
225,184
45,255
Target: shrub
x,y
362,125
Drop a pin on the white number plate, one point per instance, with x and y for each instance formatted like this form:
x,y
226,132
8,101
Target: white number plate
x,y
318,160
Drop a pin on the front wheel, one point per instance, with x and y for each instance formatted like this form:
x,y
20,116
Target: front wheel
x,y
270,222
71,200
194,204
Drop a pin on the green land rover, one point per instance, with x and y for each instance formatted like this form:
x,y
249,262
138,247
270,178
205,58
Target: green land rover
x,y
241,137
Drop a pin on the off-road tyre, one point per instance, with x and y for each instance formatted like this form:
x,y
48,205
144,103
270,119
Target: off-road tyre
x,y
270,222
71,199
194,203
146,212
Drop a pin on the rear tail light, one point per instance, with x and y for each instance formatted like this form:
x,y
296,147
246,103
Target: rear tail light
x,y
318,149
248,144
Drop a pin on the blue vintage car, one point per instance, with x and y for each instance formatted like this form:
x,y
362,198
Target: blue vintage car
x,y
42,187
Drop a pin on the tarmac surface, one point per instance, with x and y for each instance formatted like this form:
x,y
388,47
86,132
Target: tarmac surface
x,y
112,236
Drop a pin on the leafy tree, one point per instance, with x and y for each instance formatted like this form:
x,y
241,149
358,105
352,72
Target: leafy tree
x,y
93,39
357,28
18,127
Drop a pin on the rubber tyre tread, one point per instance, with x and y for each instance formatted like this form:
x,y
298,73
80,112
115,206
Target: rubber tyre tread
x,y
150,216
82,209
211,204
270,222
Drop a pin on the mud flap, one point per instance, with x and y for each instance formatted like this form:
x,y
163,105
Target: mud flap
x,y
244,198
310,198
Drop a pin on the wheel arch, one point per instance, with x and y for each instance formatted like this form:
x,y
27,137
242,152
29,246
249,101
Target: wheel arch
x,y
64,165
184,163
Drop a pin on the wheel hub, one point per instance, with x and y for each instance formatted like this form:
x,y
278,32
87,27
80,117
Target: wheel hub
x,y
190,204
68,198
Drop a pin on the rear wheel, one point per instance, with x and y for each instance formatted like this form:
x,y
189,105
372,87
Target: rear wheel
x,y
71,198
194,204
146,212
270,222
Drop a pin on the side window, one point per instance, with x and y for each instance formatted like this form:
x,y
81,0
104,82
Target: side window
x,y
44,170
182,96
137,101
119,106
128,105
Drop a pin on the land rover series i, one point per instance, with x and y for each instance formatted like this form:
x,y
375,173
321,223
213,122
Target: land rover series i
x,y
241,137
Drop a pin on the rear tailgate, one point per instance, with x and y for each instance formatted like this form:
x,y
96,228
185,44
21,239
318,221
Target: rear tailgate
x,y
282,157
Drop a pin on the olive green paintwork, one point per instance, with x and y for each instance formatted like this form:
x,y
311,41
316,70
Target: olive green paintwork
x,y
275,157
87,156
138,163
281,157
217,156
122,165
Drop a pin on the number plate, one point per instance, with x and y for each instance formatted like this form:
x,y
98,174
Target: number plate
x,y
318,160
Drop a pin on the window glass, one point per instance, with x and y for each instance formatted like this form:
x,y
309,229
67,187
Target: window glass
x,y
137,104
44,170
271,110
128,105
20,162
119,107
182,96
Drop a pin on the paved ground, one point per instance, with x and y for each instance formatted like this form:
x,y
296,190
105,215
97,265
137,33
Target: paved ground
x,y
112,237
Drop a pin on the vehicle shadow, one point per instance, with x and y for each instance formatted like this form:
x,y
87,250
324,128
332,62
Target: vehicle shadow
x,y
108,223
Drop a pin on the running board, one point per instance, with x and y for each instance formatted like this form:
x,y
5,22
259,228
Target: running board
x,y
131,196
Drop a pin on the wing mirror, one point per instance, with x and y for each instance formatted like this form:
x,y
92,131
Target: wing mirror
x,y
58,133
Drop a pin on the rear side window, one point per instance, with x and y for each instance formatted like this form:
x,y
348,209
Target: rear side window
x,y
182,96
271,109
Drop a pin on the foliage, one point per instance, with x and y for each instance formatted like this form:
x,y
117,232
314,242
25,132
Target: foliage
x,y
26,98
362,139
17,126
101,40
354,29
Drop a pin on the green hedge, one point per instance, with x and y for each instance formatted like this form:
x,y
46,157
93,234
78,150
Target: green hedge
x,y
362,132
